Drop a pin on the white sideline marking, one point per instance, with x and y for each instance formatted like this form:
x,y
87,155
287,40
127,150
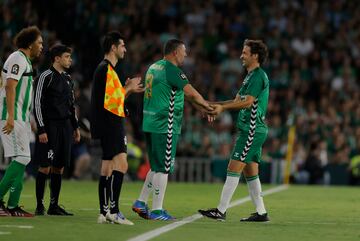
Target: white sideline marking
x,y
16,226
4,233
156,232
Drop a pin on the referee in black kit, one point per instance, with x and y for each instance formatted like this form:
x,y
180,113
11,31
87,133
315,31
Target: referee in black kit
x,y
56,121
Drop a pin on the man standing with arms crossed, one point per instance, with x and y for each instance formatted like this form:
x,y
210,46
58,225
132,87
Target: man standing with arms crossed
x,y
251,101
166,86
108,125
15,108
57,125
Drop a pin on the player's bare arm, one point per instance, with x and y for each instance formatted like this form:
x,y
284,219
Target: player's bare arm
x,y
10,89
192,95
237,98
243,103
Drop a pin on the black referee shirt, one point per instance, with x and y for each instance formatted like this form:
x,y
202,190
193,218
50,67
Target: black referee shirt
x,y
54,99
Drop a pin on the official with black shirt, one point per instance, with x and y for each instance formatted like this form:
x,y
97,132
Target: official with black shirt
x,y
56,121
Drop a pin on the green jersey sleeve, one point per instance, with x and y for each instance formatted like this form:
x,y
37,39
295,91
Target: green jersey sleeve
x,y
256,85
176,77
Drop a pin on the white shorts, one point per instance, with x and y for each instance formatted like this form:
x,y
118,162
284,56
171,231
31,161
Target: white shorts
x,y
17,143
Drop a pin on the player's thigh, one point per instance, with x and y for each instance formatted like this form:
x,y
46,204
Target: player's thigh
x,y
17,143
162,151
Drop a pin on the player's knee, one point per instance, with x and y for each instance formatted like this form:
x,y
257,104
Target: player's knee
x,y
57,170
236,166
44,170
122,167
106,168
21,159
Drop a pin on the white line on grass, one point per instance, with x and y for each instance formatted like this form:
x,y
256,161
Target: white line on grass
x,y
4,233
156,232
16,226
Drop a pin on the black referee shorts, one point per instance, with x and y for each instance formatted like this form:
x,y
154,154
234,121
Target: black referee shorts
x,y
57,151
113,140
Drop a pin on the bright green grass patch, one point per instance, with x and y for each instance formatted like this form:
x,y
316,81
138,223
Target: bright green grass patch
x,y
298,213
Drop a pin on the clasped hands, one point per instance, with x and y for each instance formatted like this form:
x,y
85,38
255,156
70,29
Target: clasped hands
x,y
211,111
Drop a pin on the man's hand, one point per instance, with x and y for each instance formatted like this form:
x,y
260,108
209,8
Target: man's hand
x,y
218,109
134,85
211,118
77,135
43,138
9,126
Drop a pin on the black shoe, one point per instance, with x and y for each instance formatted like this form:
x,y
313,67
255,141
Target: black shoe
x,y
57,210
255,217
40,210
213,213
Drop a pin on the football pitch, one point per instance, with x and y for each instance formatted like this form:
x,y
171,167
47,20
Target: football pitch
x,y
297,213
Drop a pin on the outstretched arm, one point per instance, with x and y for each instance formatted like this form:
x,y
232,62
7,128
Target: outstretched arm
x,y
237,97
192,95
244,103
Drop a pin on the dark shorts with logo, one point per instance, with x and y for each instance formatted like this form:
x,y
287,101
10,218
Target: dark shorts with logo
x,y
57,151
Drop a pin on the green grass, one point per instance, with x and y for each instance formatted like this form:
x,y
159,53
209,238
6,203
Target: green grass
x,y
298,213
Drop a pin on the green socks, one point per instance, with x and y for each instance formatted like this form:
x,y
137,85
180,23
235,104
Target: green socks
x,y
13,180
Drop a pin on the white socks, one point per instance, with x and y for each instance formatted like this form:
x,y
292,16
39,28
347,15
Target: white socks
x,y
159,183
254,187
147,187
232,181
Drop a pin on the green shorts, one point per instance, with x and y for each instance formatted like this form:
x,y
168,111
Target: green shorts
x,y
161,150
248,147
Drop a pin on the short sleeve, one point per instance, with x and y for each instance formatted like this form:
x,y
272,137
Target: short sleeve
x,y
176,78
16,67
256,85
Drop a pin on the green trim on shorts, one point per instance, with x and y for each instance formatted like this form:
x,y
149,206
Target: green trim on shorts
x,y
249,179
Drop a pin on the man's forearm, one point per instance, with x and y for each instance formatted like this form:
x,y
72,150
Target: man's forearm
x,y
220,102
10,100
237,105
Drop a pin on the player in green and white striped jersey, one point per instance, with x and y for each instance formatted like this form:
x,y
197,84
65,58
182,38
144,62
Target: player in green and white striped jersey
x,y
15,108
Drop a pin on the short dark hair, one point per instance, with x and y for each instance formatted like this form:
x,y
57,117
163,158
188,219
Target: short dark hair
x,y
57,50
111,38
257,47
171,45
27,36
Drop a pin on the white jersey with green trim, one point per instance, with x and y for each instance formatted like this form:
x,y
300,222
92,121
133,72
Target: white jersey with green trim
x,y
18,67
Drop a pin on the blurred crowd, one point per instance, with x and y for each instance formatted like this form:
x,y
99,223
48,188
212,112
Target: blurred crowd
x,y
313,66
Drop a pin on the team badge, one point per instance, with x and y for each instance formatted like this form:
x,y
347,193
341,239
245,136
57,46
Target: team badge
x,y
15,69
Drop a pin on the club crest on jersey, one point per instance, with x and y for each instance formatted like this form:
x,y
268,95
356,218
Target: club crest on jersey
x,y
183,76
15,69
